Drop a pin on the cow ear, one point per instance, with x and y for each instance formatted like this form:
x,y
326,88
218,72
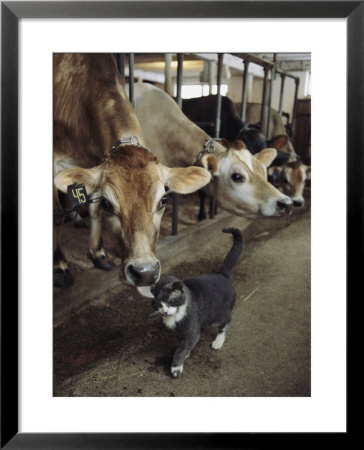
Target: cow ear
x,y
266,156
88,177
278,141
209,162
185,180
308,172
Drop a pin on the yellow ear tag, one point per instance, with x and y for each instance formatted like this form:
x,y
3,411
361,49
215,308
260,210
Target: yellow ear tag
x,y
77,194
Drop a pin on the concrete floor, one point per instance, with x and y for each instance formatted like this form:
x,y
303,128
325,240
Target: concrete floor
x,y
105,343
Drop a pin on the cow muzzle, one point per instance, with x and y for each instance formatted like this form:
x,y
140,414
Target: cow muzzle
x,y
284,206
141,272
297,201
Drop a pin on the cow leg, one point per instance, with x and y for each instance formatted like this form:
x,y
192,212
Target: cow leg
x,y
212,210
202,212
62,276
214,207
96,251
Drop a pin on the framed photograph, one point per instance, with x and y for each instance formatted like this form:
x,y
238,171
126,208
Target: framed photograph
x,y
33,414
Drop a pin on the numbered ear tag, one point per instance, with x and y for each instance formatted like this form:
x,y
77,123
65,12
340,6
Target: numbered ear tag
x,y
77,194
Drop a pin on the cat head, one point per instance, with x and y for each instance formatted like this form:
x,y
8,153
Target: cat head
x,y
169,295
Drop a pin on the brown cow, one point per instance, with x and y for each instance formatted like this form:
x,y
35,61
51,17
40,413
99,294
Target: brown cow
x,y
92,115
239,178
290,179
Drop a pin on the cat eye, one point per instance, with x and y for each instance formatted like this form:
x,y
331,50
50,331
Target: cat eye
x,y
237,178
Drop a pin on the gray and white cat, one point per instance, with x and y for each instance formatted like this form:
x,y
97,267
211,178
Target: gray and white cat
x,y
188,305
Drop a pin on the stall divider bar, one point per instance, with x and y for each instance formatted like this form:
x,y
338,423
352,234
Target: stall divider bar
x,y
220,57
245,93
131,78
283,79
179,103
120,61
262,112
297,81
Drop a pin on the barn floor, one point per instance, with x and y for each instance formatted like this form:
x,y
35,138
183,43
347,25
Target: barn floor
x,y
106,343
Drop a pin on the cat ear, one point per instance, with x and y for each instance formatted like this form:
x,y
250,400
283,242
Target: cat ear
x,y
177,285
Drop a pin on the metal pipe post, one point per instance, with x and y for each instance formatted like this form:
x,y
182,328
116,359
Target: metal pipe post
x,y
262,112
168,85
179,102
297,81
245,92
120,61
272,76
283,79
210,71
179,78
218,109
131,78
220,57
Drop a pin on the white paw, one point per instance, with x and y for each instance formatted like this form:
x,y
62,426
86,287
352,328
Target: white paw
x,y
176,371
217,343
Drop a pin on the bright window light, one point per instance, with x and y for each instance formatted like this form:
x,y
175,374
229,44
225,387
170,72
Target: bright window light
x,y
199,90
307,90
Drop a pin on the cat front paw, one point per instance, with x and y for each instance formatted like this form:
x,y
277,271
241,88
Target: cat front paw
x,y
176,371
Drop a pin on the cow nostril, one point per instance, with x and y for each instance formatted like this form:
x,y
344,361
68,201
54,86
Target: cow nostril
x,y
298,202
284,207
134,273
143,274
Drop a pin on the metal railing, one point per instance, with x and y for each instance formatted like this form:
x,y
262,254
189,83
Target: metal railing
x,y
272,67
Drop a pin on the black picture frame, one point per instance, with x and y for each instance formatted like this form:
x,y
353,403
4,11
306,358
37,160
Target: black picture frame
x,y
11,12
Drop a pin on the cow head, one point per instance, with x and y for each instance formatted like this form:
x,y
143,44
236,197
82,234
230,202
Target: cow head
x,y
291,179
253,138
134,185
240,182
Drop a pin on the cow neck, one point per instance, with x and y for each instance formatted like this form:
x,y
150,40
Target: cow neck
x,y
208,147
133,140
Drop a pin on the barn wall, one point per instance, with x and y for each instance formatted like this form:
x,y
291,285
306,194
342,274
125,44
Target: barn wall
x,y
255,90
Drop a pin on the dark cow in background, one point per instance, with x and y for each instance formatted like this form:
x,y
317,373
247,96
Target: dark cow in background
x,y
290,177
276,125
98,141
202,111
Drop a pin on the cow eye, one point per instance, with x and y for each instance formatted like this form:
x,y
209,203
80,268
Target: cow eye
x,y
106,205
163,201
237,178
